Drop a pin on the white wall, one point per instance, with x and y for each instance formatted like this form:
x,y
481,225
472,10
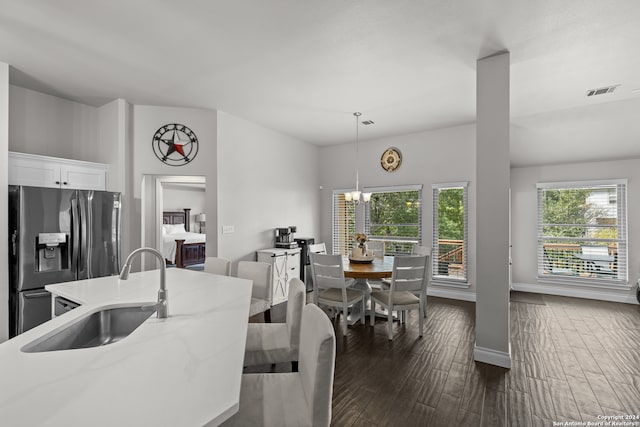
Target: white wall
x,y
444,155
266,180
176,197
524,206
146,120
112,142
4,204
48,125
113,148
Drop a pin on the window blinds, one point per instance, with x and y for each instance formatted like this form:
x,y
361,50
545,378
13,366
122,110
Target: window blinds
x,y
450,252
344,224
582,233
403,230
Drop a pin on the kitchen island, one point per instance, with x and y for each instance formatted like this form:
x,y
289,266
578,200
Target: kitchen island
x,y
184,370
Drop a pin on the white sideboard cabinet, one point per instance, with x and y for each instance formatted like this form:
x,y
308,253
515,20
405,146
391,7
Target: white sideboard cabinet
x,y
53,172
285,265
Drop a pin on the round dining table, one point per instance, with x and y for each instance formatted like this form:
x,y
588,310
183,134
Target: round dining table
x,y
379,268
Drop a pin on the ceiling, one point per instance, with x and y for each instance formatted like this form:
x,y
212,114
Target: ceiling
x,y
303,67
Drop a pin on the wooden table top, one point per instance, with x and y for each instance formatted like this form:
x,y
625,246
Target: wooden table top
x,y
378,269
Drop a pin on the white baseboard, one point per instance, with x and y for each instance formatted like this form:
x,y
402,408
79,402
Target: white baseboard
x,y
492,357
438,291
576,293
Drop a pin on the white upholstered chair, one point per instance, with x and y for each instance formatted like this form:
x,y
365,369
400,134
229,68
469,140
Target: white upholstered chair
x,y
262,292
294,398
330,287
221,266
269,343
408,278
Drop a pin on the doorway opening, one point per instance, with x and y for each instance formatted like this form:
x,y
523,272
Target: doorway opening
x,y
164,198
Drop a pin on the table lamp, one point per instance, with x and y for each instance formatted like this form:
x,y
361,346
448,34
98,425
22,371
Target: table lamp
x,y
200,218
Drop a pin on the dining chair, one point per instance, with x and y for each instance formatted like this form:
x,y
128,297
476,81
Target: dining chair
x,y
317,248
416,250
330,286
420,250
294,398
221,266
377,246
408,278
424,250
262,292
270,343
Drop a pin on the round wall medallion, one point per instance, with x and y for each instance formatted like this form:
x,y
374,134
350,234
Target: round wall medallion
x,y
391,159
175,144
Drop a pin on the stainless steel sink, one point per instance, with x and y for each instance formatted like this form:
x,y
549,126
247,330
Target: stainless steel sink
x,y
95,329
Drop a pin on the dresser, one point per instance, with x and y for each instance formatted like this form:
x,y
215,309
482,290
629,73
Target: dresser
x,y
285,265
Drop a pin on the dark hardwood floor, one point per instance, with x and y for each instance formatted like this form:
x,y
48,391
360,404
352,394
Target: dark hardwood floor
x,y
572,360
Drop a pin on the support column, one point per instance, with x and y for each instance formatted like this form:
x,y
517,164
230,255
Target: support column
x,y
492,211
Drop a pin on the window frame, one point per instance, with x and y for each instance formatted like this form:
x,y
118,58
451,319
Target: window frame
x,y
622,240
396,189
442,279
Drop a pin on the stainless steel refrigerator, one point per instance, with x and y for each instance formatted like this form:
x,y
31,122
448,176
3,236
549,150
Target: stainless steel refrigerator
x,y
57,235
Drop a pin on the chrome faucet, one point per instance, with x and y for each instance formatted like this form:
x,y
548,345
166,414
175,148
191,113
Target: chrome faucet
x,y
162,305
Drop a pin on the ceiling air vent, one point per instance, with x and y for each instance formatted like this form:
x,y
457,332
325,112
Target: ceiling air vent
x,y
367,122
601,91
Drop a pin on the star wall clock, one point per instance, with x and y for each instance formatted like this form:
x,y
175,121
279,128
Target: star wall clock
x,y
175,144
391,159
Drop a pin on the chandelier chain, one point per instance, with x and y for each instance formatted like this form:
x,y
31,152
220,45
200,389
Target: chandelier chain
x,y
357,116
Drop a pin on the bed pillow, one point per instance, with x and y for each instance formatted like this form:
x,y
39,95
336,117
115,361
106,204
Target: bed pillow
x,y
173,228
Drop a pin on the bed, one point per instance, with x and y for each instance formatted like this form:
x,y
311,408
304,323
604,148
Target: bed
x,y
179,245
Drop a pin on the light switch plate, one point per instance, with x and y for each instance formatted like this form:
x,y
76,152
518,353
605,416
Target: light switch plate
x,y
226,229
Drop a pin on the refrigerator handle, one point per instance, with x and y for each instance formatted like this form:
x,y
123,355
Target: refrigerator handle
x,y
83,236
14,237
36,294
75,219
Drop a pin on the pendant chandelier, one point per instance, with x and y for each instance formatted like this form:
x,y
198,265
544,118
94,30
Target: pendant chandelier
x,y
355,195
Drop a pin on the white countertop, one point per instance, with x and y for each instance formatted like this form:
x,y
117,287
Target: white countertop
x,y
181,371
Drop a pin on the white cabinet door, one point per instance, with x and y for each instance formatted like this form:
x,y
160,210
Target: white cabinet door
x,y
82,177
280,283
33,172
293,266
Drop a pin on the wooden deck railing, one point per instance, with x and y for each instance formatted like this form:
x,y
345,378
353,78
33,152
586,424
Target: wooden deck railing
x,y
450,259
453,251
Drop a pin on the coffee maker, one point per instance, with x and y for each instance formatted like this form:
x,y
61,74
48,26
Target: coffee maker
x,y
284,237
